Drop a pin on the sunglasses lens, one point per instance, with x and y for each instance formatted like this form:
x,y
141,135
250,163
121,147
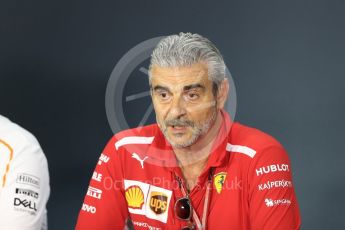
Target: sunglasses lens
x,y
190,227
183,209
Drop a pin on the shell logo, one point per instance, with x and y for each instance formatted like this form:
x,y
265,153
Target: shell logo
x,y
135,197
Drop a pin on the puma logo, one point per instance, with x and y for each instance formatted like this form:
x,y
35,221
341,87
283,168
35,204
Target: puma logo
x,y
136,156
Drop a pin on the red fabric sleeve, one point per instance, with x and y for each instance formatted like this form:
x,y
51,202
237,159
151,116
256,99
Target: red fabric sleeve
x,y
104,205
272,199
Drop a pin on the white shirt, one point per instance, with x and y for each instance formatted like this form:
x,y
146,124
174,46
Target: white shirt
x,y
24,179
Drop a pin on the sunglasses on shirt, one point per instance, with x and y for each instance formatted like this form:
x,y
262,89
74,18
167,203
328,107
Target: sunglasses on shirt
x,y
183,211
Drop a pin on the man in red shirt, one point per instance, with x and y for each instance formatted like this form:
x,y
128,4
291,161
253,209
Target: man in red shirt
x,y
195,168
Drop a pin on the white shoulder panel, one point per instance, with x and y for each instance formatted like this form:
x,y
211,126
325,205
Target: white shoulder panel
x,y
133,140
241,149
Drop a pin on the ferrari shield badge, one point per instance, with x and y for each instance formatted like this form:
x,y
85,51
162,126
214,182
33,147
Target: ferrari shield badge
x,y
219,180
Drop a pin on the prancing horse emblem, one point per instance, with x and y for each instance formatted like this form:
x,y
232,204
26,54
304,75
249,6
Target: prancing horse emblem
x,y
219,180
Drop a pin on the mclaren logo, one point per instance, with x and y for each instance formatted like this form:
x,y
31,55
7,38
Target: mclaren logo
x,y
134,197
219,180
158,202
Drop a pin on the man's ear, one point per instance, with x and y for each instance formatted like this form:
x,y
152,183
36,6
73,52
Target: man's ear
x,y
223,92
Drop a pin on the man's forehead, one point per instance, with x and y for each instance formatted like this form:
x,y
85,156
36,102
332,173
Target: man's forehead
x,y
195,69
195,74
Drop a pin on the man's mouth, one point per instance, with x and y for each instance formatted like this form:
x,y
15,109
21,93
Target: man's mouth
x,y
177,128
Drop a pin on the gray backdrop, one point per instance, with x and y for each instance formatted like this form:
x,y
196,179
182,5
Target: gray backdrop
x,y
287,59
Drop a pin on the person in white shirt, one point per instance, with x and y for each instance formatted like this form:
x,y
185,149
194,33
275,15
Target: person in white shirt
x,y
24,179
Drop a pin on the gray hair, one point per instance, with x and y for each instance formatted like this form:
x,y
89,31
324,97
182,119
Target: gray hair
x,y
186,49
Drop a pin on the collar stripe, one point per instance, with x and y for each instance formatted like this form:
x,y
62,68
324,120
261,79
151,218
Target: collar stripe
x,y
241,149
133,140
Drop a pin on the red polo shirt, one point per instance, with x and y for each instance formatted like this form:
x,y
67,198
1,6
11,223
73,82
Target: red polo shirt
x,y
136,177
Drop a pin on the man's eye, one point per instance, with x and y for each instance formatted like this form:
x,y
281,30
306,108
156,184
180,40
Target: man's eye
x,y
163,95
193,96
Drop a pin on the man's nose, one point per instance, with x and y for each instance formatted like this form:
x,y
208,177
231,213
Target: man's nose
x,y
177,108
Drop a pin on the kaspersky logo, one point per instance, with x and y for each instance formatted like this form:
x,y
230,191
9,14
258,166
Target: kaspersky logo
x,y
158,202
135,197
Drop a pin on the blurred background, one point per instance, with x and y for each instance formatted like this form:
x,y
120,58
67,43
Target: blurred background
x,y
287,59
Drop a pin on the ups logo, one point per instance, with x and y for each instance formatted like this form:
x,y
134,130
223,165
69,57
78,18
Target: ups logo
x,y
158,202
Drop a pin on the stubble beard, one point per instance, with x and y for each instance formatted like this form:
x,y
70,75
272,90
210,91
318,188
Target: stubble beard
x,y
198,130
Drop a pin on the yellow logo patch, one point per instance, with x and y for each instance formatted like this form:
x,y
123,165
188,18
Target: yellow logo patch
x,y
135,197
158,202
219,180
